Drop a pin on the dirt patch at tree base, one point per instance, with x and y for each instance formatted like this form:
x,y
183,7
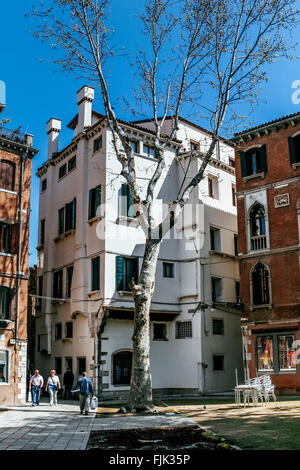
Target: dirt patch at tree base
x,y
169,438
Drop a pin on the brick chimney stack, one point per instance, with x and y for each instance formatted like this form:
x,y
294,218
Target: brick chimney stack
x,y
53,130
85,97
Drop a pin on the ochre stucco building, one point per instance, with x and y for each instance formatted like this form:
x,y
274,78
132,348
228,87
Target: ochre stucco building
x,y
268,199
16,153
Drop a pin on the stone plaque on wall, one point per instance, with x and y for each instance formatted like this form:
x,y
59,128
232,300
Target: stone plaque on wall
x,y
282,200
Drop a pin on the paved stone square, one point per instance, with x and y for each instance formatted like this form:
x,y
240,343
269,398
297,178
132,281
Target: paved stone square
x,y
43,427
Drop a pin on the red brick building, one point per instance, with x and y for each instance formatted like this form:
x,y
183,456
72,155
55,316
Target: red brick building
x,y
16,153
268,198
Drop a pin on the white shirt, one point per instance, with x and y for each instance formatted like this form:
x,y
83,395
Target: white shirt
x,y
53,380
37,380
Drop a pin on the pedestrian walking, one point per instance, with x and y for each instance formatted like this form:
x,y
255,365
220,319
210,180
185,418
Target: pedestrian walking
x,y
53,385
85,393
35,385
68,381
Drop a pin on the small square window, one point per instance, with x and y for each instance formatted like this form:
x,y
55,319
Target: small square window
x,y
134,146
168,270
218,326
194,145
44,184
58,331
69,329
72,164
149,151
159,331
62,171
232,162
183,329
98,144
218,363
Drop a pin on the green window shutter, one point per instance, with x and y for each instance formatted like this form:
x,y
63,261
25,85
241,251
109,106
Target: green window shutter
x,y
263,158
243,164
120,273
97,200
96,273
292,150
74,213
61,221
91,204
123,200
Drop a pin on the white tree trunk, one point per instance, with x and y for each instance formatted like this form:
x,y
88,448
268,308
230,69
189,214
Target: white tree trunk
x,y
141,381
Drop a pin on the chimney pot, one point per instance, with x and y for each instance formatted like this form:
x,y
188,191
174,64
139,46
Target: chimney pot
x,y
53,130
85,97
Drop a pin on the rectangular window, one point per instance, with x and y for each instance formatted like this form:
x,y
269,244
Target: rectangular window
x,y
42,233
95,263
72,163
58,284
61,221
7,175
159,331
218,363
134,146
125,202
44,184
183,329
39,290
237,291
5,238
216,289
218,326
232,162
215,239
62,171
235,243
94,201
254,161
98,144
69,276
70,215
126,270
69,329
233,190
194,145
286,352
81,365
5,301
58,368
148,150
265,357
3,366
58,331
213,188
168,269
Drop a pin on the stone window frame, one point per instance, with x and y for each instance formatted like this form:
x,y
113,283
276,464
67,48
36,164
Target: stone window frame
x,y
248,228
112,366
251,305
8,383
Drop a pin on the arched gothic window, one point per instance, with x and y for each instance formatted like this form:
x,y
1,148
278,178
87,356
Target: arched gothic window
x,y
260,285
122,363
258,227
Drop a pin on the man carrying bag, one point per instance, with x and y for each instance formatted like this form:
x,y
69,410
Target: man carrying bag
x,y
85,387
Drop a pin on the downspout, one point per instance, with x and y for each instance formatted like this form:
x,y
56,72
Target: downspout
x,y
19,250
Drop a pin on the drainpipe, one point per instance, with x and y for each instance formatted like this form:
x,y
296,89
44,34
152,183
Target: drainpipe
x,y
18,274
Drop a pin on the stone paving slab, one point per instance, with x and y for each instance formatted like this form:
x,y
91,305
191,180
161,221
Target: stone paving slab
x,y
45,428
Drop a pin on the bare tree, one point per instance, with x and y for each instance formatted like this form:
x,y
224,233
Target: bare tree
x,y
219,63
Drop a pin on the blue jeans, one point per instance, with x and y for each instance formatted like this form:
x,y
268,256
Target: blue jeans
x,y
36,394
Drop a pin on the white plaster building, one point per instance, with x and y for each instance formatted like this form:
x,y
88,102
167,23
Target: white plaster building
x,y
86,256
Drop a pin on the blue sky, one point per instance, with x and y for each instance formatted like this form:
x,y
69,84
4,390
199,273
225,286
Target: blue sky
x,y
36,93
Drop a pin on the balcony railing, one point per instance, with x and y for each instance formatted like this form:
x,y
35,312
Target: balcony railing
x,y
259,243
16,135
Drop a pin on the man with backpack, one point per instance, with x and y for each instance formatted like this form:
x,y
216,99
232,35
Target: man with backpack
x,y
85,387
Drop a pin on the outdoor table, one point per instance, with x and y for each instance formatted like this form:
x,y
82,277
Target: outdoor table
x,y
248,391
